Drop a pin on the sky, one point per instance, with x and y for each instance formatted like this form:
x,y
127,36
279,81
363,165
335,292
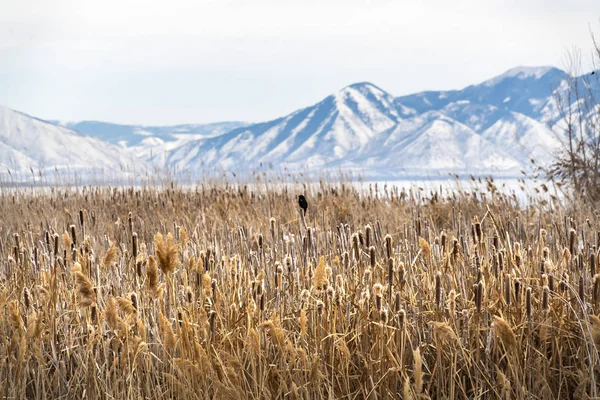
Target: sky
x,y
200,61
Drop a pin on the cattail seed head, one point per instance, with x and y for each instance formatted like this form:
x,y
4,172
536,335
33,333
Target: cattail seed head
x,y
383,315
545,253
134,301
572,240
388,245
56,244
73,235
320,307
390,273
545,297
397,300
368,235
272,226
438,289
372,256
443,239
26,298
582,288
134,244
478,288
355,246
478,233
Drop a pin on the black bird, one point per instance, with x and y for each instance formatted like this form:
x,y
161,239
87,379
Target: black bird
x,y
593,73
302,203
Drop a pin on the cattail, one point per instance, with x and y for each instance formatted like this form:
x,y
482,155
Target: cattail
x,y
596,288
134,301
581,289
26,298
397,305
130,221
443,239
551,282
455,249
592,263
545,297
320,307
81,222
401,318
388,245
152,276
368,235
545,253
372,256
517,292
478,288
564,281
383,315
56,245
572,240
478,233
47,237
438,289
134,243
378,292
73,235
401,274
355,246
272,226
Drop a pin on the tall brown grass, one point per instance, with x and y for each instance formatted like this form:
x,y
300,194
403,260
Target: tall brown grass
x,y
220,291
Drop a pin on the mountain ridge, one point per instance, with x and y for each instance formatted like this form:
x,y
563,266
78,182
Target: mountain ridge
x,y
491,127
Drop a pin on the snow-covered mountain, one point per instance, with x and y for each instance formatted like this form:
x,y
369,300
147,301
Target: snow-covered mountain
x,y
134,135
28,144
493,127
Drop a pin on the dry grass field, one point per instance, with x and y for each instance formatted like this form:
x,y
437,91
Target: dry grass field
x,y
220,292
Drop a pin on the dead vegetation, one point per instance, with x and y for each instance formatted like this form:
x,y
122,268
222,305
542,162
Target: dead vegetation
x,y
223,292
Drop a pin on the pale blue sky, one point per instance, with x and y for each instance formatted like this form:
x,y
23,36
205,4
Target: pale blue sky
x,y
184,61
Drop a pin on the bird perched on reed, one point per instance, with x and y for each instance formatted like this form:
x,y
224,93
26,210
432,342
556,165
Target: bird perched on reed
x,y
303,203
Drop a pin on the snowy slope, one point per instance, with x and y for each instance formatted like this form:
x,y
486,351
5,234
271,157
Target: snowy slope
x,y
492,127
27,143
314,137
